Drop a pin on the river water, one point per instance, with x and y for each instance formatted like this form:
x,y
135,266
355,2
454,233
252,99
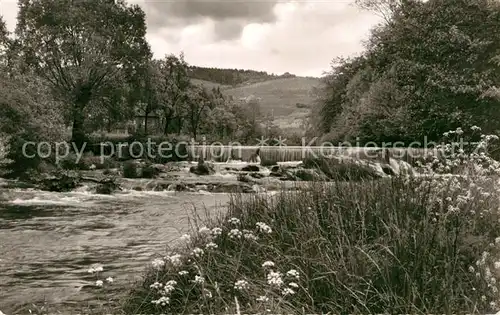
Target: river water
x,y
48,241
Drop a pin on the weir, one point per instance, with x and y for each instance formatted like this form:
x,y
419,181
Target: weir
x,y
274,154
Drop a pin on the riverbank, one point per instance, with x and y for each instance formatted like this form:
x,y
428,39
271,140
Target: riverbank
x,y
405,245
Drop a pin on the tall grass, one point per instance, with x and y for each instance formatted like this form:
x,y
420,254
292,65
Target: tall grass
x,y
399,245
363,248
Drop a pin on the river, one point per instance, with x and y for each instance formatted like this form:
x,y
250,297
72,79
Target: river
x,y
48,241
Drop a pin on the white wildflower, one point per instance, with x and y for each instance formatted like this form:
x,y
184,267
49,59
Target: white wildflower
x,y
211,245
264,228
268,264
293,273
497,264
274,278
186,237
199,279
156,285
109,280
207,293
475,128
158,263
262,298
241,285
197,252
216,231
99,283
248,235
204,230
287,291
234,221
235,233
471,269
96,268
293,285
163,301
183,272
175,260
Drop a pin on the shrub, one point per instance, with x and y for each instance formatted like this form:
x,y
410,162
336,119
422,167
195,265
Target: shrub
x,y
130,169
149,171
341,171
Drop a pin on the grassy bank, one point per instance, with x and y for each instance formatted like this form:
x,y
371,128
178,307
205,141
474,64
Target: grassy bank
x,y
422,246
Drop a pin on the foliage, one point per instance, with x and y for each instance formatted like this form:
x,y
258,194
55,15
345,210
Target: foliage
x,y
82,48
28,114
428,69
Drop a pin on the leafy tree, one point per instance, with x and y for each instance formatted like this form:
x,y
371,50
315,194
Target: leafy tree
x,y
81,47
174,89
199,101
431,68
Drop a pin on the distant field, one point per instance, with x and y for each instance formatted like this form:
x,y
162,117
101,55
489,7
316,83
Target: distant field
x,y
279,96
209,85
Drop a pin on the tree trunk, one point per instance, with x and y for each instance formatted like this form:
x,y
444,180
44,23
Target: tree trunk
x,y
146,123
167,124
78,131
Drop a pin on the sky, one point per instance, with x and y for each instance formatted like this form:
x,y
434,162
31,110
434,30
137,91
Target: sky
x,y
277,36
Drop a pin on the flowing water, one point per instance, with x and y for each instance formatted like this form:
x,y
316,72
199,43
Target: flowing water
x,y
48,241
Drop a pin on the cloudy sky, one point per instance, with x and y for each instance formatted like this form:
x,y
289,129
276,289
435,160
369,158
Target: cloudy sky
x,y
277,36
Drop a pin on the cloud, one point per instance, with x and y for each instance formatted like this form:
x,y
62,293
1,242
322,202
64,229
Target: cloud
x,y
275,36
229,16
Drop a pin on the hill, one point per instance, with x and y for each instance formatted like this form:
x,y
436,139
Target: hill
x,y
287,99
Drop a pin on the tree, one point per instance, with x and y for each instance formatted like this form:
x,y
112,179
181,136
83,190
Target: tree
x,y
80,47
174,89
199,101
430,69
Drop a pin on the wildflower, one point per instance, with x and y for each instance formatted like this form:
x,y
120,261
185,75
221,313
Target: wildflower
x,y
234,221
169,287
95,268
241,285
497,240
99,283
207,293
248,235
216,231
175,260
293,285
183,272
234,233
211,245
268,264
483,298
293,273
199,279
158,263
156,285
274,278
163,301
497,264
262,298
264,228
475,128
471,269
287,291
197,252
493,305
109,280
186,237
204,230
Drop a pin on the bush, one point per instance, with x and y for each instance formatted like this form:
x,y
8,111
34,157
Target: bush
x,y
149,171
130,169
335,170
